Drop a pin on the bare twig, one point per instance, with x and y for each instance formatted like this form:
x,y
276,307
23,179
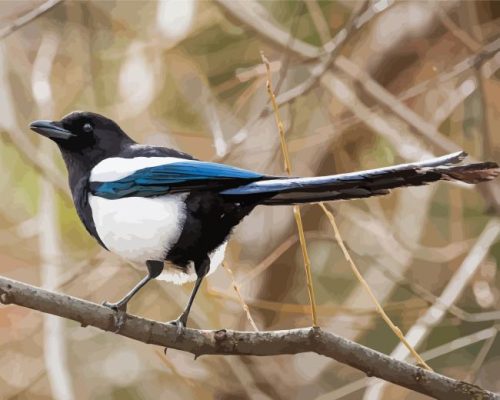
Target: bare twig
x,y
240,297
404,306
275,254
465,38
204,342
28,17
363,282
481,356
318,19
287,56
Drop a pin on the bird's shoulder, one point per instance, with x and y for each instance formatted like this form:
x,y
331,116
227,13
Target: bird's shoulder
x,y
144,150
134,158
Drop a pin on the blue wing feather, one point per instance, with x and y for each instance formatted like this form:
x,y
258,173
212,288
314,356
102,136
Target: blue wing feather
x,y
174,177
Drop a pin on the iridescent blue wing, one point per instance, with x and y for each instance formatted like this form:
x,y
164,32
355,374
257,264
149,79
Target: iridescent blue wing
x,y
126,178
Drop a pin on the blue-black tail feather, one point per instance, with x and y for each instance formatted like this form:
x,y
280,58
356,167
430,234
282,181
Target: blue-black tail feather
x,y
362,184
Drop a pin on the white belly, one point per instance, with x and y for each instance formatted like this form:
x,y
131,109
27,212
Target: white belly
x,y
139,228
175,275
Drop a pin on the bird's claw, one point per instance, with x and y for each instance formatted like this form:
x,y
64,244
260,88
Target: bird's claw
x,y
115,306
120,314
180,323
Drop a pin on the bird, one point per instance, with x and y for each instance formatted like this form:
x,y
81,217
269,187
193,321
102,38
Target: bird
x,y
174,214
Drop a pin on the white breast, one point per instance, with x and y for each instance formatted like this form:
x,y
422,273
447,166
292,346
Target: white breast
x,y
139,228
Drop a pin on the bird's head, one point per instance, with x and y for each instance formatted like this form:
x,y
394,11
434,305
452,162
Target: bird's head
x,y
85,133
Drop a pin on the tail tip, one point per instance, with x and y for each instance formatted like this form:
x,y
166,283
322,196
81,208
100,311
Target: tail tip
x,y
475,173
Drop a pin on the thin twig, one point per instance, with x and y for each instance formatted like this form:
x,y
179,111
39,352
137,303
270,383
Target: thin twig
x,y
406,307
296,209
240,297
204,342
318,19
481,356
464,37
287,55
275,254
360,278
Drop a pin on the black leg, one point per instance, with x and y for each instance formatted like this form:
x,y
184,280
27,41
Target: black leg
x,y
201,270
154,269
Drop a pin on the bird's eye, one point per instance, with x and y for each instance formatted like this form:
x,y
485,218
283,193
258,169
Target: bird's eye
x,y
88,128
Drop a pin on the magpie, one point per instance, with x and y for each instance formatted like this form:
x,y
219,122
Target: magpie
x,y
174,213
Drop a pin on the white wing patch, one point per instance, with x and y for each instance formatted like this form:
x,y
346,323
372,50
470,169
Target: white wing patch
x,y
139,228
175,275
115,168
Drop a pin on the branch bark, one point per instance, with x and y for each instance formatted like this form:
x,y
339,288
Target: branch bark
x,y
227,342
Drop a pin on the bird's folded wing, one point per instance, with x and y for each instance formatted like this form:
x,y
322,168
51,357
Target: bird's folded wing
x,y
116,177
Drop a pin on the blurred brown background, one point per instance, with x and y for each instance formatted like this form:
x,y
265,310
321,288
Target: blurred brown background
x,y
411,80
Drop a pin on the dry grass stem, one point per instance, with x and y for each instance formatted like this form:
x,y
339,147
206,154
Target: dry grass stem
x,y
296,209
415,306
360,278
240,297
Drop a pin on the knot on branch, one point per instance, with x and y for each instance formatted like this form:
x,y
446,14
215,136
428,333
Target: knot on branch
x,y
420,374
5,295
226,340
220,335
314,334
474,392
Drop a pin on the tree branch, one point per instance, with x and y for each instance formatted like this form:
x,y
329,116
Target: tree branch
x,y
201,342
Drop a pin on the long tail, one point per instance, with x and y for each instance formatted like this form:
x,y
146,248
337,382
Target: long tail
x,y
361,184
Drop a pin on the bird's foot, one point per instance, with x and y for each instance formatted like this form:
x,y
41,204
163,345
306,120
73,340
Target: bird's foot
x,y
118,306
180,323
120,315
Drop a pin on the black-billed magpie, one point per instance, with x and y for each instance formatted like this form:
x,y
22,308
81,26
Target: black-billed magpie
x,y
174,213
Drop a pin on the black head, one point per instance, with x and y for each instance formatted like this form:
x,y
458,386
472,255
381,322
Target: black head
x,y
85,134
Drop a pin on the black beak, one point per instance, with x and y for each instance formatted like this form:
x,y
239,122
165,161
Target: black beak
x,y
51,129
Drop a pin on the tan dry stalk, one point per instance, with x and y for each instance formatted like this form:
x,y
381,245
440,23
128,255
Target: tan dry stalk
x,y
360,278
240,297
296,209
